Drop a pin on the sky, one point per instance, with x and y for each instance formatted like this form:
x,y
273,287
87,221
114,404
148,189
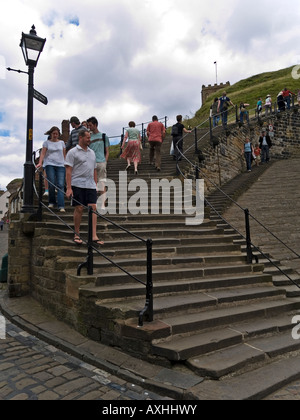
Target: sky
x,y
124,60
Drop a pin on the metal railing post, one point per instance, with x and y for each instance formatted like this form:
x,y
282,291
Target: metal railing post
x,y
148,310
90,258
89,263
248,238
210,129
40,209
196,141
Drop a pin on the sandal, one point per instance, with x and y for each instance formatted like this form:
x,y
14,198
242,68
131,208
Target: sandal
x,y
98,242
77,240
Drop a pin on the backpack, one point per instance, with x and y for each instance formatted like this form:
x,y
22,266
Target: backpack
x,y
175,130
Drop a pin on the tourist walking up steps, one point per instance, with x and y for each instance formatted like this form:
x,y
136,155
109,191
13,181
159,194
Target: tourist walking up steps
x,y
53,159
223,105
81,177
177,134
132,153
156,133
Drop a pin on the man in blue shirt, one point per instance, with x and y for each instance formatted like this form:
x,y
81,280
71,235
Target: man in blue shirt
x,y
223,105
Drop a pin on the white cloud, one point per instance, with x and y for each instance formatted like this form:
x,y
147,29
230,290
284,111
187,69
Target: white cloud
x,y
124,60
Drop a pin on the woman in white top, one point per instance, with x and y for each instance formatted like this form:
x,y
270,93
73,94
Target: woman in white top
x,y
53,159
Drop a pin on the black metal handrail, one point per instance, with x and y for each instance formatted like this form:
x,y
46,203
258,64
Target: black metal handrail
x,y
147,312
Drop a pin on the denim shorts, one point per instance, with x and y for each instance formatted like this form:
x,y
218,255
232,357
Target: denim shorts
x,y
83,197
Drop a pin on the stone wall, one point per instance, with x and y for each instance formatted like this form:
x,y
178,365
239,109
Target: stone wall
x,y
225,161
210,89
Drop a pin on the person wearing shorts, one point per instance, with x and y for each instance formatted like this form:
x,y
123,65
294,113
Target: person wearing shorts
x,y
81,179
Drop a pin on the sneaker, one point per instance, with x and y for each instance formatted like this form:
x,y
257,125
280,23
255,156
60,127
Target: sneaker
x,y
62,210
46,194
51,206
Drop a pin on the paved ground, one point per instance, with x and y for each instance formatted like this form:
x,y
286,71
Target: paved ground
x,y
31,369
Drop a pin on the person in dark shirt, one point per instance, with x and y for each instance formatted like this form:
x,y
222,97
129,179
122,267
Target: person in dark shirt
x,y
178,138
73,138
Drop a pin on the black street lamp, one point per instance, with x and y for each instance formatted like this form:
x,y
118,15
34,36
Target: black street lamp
x,y
32,46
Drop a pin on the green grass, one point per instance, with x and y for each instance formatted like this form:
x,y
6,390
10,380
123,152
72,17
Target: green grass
x,y
249,90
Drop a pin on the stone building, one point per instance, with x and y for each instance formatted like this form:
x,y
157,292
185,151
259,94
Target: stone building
x,y
209,90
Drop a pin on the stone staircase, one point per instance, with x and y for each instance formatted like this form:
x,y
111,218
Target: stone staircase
x,y
214,314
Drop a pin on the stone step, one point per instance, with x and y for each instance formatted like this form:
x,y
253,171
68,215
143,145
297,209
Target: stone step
x,y
105,289
246,355
134,225
161,262
183,303
108,235
187,274
252,385
118,249
187,346
65,238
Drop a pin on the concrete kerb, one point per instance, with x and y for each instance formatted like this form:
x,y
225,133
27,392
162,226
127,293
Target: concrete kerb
x,y
160,381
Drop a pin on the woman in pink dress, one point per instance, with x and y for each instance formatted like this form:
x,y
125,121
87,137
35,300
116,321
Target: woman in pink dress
x,y
132,153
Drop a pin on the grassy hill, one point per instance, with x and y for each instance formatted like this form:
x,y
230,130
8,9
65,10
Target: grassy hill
x,y
250,89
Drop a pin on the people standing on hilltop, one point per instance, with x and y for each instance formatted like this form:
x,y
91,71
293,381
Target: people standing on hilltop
x,y
177,133
81,179
223,105
265,145
73,138
156,132
132,153
268,105
53,159
100,145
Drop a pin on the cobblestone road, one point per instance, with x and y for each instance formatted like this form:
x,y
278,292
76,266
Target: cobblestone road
x,y
33,370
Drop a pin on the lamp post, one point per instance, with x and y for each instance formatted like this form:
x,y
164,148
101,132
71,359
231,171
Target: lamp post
x,y
32,46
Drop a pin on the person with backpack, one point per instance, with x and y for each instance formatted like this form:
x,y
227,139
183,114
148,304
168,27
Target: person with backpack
x,y
177,133
223,105
100,145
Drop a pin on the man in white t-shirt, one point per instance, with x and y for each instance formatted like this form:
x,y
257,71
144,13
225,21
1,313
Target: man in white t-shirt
x,y
81,179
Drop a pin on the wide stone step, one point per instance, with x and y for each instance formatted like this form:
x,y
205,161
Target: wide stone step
x,y
252,385
105,290
250,352
186,274
184,231
185,347
187,303
65,238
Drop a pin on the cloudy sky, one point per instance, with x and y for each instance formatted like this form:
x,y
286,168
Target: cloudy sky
x,y
122,60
